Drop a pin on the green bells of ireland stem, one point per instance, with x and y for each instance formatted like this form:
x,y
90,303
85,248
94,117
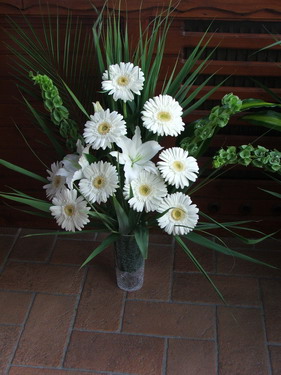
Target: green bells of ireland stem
x,y
59,114
260,157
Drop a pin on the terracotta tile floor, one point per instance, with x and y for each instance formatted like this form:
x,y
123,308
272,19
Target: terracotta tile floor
x,y
58,319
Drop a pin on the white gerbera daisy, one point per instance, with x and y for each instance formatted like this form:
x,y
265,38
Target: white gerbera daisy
x,y
69,211
148,190
181,217
104,128
56,181
122,81
162,115
177,168
100,182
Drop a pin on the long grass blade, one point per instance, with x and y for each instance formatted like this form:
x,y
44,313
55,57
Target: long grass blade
x,y
108,241
199,266
35,203
203,241
22,171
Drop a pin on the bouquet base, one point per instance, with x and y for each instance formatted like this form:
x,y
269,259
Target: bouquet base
x,y
129,264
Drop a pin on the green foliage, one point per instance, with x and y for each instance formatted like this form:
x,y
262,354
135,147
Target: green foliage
x,y
260,157
269,119
22,171
208,243
113,45
201,131
54,54
112,237
59,114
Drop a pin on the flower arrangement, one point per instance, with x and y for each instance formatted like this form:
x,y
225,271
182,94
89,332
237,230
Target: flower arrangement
x,y
117,176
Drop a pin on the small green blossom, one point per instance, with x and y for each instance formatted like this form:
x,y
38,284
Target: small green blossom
x,y
232,102
219,116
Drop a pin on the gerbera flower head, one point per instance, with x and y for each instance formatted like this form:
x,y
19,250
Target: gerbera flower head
x,y
177,168
70,211
100,181
162,115
180,215
148,190
136,155
122,81
104,128
56,181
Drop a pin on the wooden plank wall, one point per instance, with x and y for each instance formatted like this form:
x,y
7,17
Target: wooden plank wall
x,y
240,28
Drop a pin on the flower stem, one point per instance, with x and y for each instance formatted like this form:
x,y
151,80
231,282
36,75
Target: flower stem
x,y
124,110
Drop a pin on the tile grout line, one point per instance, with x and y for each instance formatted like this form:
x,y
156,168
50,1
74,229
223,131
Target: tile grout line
x,y
145,335
188,303
264,328
73,320
25,291
51,252
237,275
217,340
165,356
21,261
16,236
86,371
272,343
21,331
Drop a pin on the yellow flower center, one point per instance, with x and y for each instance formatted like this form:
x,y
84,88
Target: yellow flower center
x,y
178,214
99,182
123,81
144,190
69,210
104,128
57,181
178,166
164,116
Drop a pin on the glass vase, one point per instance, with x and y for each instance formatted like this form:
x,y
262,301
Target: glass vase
x,y
129,264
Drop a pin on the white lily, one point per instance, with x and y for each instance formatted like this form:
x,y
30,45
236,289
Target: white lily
x,y
97,107
136,155
74,164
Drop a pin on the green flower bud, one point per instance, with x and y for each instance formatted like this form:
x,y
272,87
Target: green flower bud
x,y
232,102
260,151
223,120
193,150
200,123
258,163
48,105
203,133
231,155
218,162
246,151
57,101
185,142
71,144
245,161
214,113
274,160
219,116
